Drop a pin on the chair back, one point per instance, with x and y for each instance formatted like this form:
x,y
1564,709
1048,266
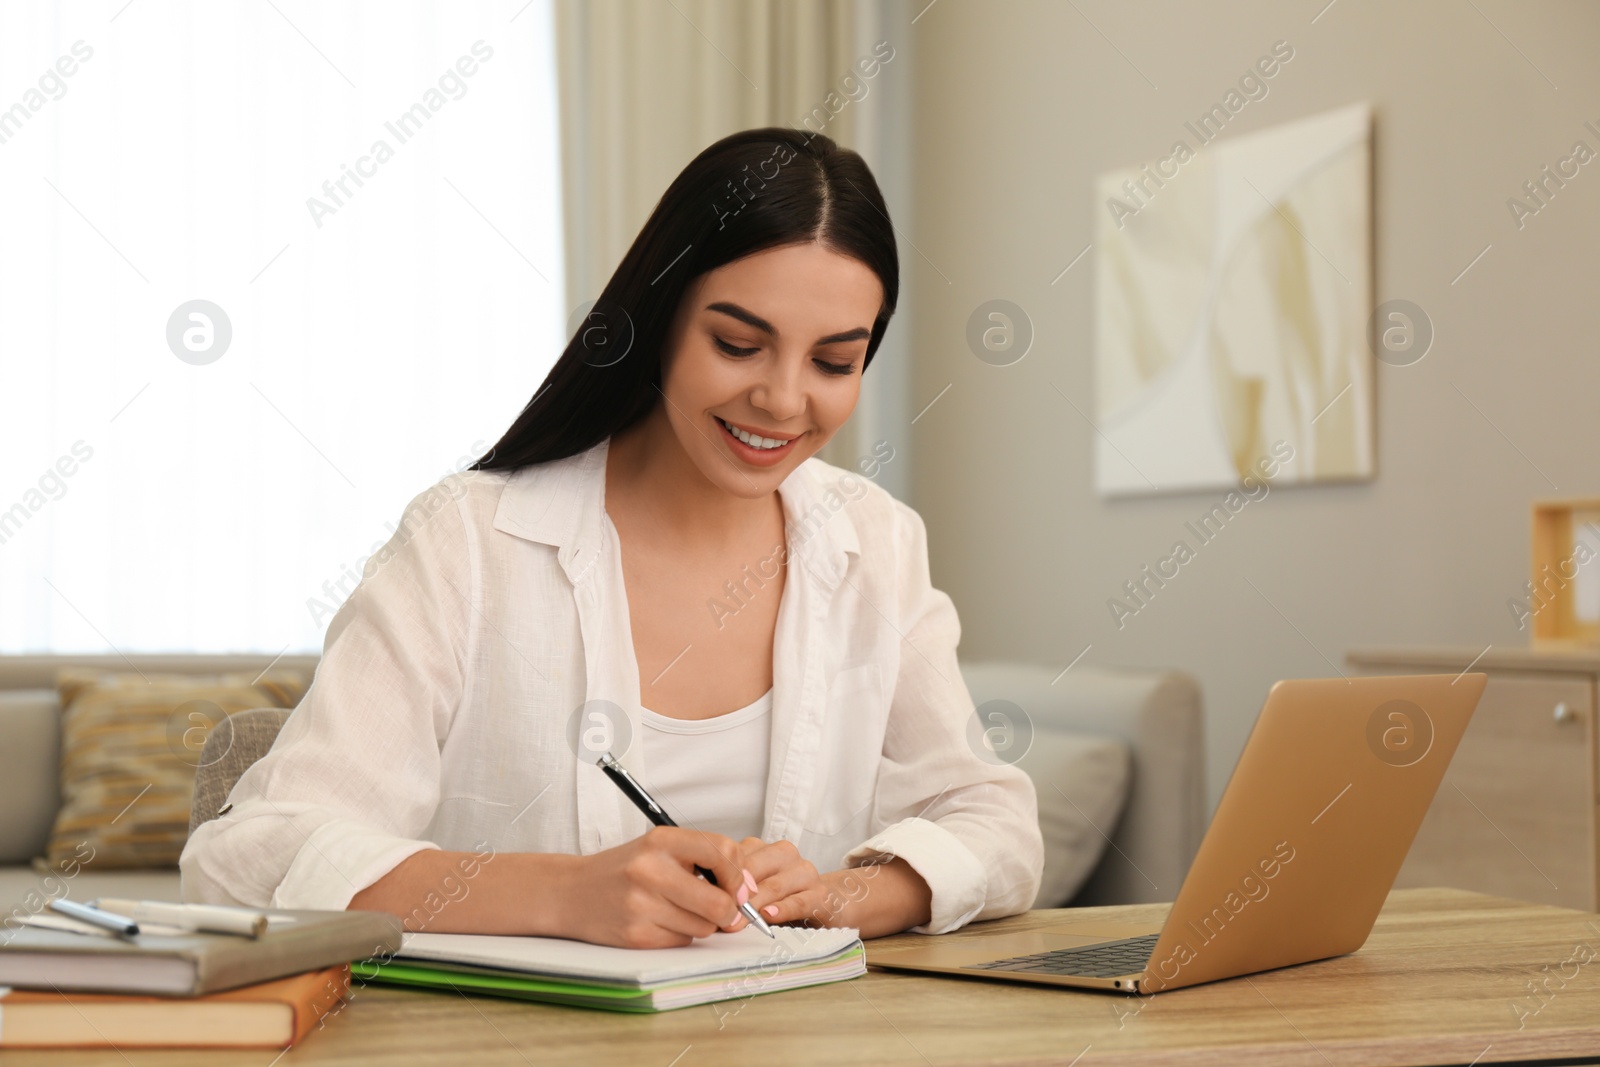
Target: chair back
x,y
237,741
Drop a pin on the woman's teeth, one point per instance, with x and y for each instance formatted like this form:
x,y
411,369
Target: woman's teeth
x,y
751,439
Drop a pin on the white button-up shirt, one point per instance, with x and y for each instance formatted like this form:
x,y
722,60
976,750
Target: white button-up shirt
x,y
452,683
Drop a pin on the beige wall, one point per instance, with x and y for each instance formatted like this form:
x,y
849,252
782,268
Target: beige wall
x,y
1019,105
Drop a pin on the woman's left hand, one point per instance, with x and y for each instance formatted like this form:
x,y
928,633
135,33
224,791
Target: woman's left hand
x,y
788,887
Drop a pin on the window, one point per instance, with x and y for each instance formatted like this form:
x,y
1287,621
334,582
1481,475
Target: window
x,y
268,271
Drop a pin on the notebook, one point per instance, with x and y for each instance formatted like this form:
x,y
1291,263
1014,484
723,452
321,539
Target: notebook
x,y
189,964
272,1014
724,966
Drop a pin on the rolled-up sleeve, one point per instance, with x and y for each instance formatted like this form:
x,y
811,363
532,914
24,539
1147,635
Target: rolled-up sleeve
x,y
967,825
352,782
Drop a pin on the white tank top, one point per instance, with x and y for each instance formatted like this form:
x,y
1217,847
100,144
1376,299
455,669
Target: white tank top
x,y
711,774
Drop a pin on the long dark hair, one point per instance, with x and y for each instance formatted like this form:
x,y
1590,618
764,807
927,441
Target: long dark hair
x,y
750,191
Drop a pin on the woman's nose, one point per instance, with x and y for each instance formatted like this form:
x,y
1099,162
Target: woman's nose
x,y
780,393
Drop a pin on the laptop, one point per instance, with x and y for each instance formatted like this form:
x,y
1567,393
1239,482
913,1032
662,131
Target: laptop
x,y
1300,855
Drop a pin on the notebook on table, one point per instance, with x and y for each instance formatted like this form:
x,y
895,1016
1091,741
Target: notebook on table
x,y
723,966
183,964
274,1014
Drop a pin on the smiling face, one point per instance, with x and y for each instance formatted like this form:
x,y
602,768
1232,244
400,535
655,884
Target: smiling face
x,y
764,362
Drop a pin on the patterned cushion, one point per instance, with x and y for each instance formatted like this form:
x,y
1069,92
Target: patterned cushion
x,y
130,745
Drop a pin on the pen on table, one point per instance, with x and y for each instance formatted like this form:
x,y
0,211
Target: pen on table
x,y
120,925
658,815
203,918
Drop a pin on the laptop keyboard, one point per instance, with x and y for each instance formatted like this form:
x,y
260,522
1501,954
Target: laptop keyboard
x,y
1111,959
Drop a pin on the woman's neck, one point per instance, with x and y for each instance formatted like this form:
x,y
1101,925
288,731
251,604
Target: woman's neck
x,y
649,473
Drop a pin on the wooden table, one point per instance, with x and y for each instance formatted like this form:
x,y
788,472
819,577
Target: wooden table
x,y
1439,982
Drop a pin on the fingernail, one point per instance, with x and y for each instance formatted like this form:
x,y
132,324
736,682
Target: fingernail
x,y
750,880
772,910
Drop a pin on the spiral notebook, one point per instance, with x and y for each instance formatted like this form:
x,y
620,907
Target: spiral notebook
x,y
720,967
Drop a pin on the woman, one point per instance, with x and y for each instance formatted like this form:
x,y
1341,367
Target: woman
x,y
651,562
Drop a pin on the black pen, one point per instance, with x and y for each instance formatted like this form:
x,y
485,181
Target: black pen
x,y
658,815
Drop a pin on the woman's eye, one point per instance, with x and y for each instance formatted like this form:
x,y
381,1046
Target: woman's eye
x,y
734,351
841,369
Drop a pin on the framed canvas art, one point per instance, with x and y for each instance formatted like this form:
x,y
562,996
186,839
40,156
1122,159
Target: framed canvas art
x,y
1233,289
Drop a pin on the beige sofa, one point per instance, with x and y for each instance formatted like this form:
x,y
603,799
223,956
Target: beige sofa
x,y
1154,716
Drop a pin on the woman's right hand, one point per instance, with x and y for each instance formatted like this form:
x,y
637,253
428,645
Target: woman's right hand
x,y
645,894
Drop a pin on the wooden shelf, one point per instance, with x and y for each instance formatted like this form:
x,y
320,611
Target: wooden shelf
x,y
1564,656
1516,813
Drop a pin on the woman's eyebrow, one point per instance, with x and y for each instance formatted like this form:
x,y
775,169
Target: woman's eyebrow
x,y
749,318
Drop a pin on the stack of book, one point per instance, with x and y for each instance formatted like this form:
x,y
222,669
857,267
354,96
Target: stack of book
x,y
65,982
267,979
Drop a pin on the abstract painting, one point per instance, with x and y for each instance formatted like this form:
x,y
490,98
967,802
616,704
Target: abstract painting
x,y
1233,289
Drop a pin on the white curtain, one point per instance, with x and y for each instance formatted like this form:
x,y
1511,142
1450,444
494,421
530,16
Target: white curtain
x,y
369,192
645,86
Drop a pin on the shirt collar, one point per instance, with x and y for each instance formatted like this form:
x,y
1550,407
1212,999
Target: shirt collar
x,y
562,503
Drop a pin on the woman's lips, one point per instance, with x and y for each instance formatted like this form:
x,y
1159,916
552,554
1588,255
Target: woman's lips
x,y
756,457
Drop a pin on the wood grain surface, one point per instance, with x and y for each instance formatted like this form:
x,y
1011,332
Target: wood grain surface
x,y
1446,977
1515,815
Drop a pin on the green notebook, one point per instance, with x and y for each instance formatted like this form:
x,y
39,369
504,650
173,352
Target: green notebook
x,y
715,968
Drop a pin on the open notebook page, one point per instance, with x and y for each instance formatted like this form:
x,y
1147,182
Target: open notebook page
x,y
705,957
